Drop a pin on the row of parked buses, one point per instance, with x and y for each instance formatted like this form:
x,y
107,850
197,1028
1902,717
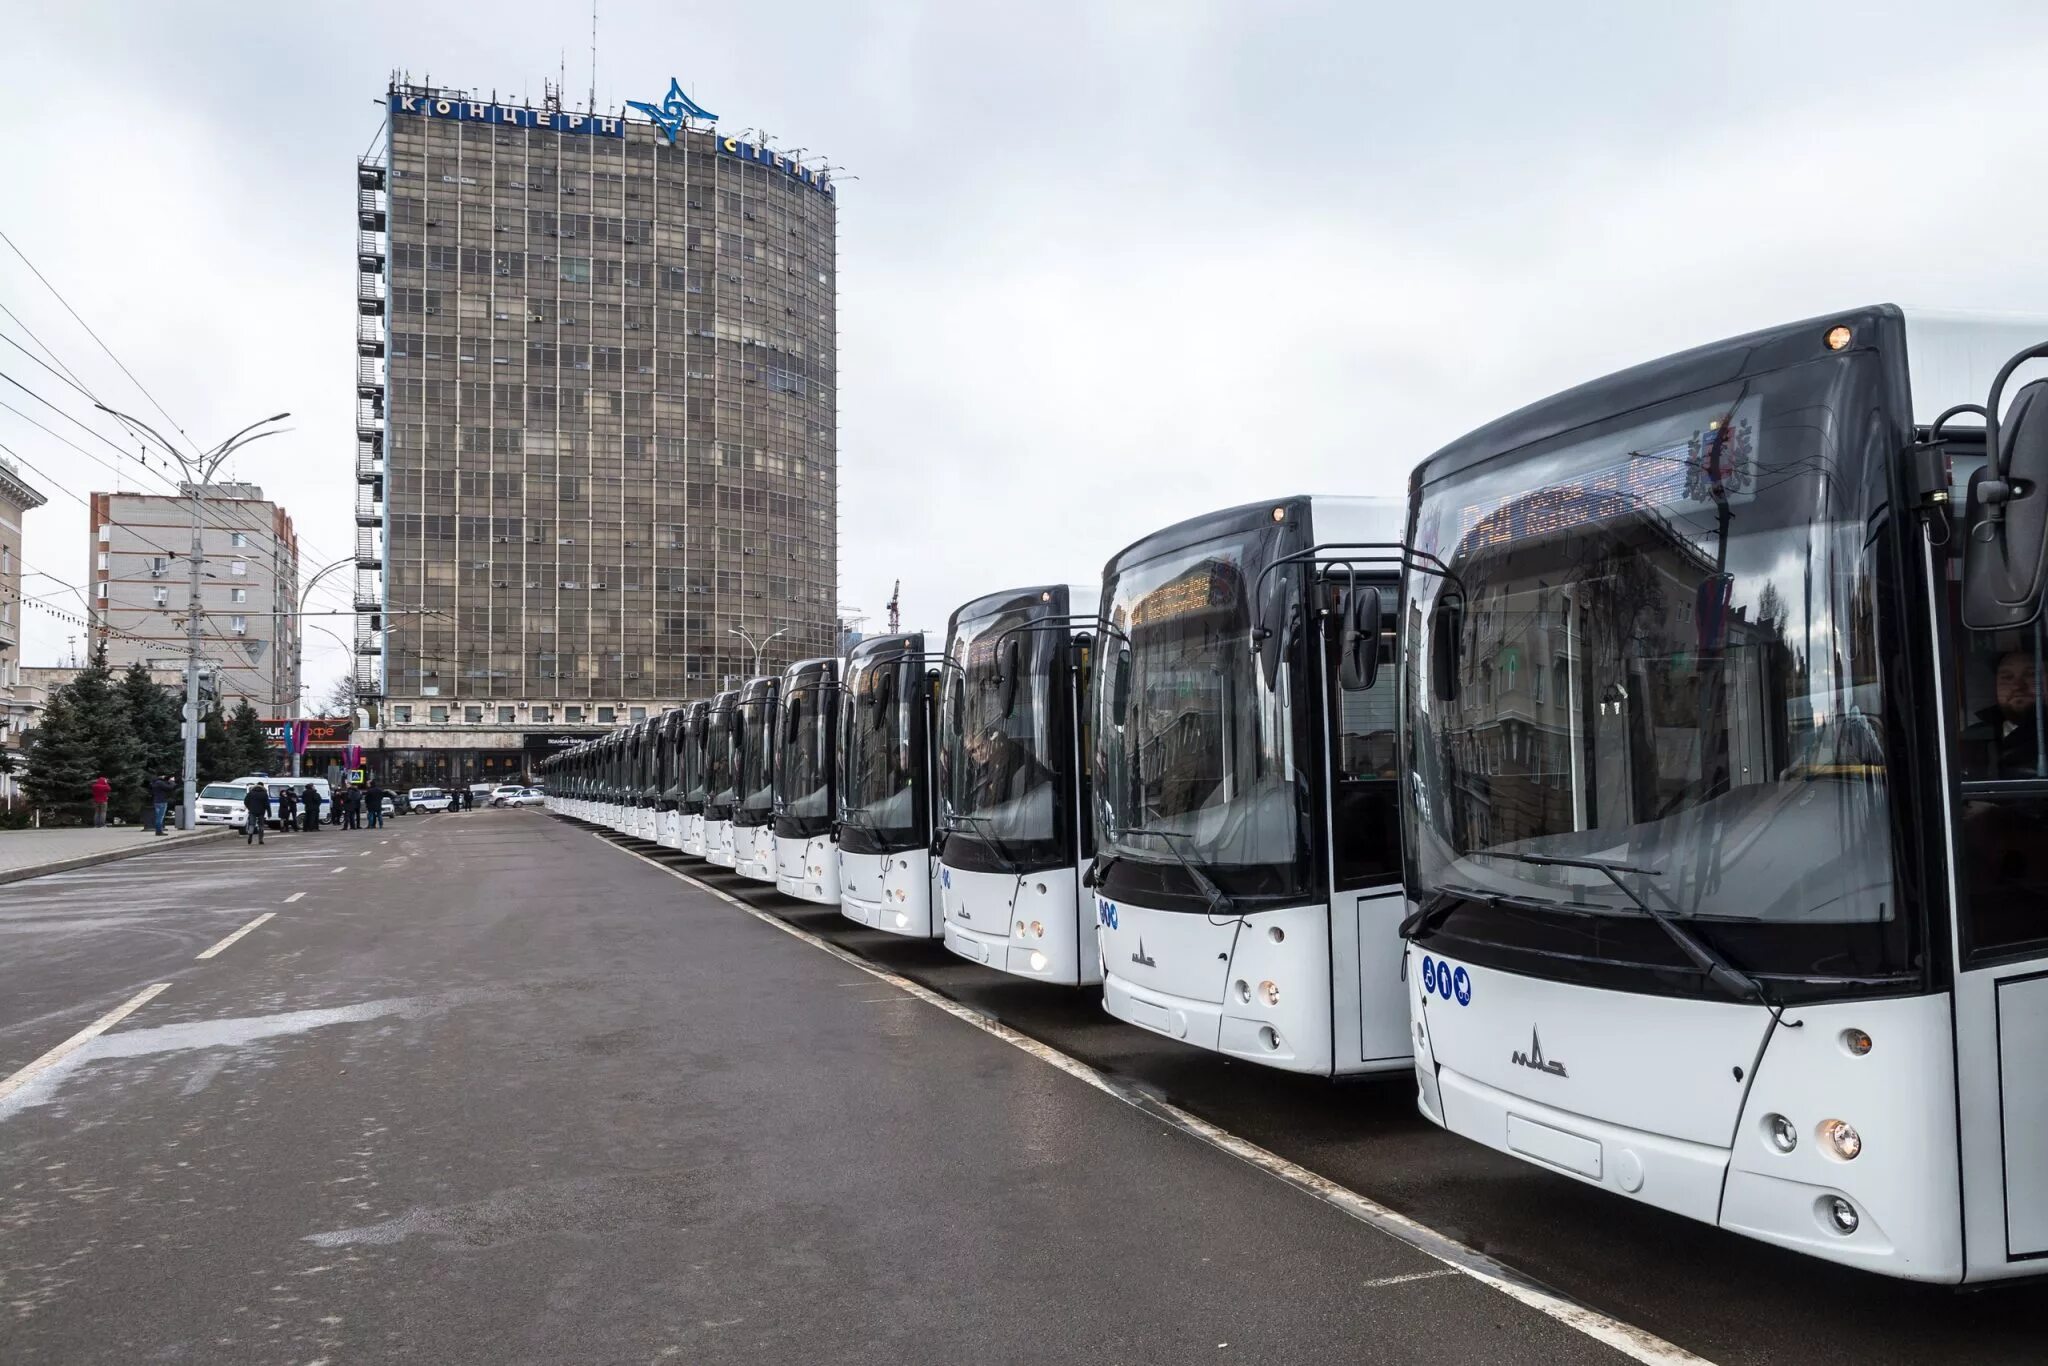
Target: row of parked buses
x,y
1665,783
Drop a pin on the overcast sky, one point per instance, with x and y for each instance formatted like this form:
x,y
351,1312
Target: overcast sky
x,y
1105,267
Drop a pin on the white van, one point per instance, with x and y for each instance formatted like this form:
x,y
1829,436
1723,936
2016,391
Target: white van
x,y
429,799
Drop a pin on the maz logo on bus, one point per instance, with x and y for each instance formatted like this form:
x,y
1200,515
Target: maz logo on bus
x,y
1105,913
1441,979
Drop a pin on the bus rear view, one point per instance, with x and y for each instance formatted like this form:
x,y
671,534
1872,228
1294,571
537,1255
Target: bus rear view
x,y
1698,863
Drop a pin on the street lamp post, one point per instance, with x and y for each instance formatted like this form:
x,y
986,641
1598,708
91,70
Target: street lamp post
x,y
197,471
741,633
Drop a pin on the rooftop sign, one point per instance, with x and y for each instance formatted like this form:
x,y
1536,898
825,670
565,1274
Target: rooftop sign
x,y
675,111
510,115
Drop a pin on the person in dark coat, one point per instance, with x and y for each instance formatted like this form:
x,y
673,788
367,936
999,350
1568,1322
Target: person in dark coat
x,y
287,808
310,805
352,809
373,802
256,801
161,789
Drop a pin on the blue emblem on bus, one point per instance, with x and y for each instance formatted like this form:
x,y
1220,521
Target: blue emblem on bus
x,y
1105,912
1443,980
1428,975
1461,984
945,876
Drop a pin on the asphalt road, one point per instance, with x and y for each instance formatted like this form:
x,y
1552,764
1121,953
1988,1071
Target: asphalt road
x,y
486,1089
1729,1299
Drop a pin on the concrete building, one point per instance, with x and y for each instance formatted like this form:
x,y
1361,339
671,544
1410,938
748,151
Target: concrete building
x,y
17,498
596,424
248,595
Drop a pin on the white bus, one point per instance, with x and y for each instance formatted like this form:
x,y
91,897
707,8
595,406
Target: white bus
x,y
1247,872
1015,820
753,775
1729,785
887,787
692,791
719,796
669,732
807,783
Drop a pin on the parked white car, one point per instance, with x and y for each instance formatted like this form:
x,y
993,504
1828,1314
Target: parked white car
x,y
429,799
221,804
518,796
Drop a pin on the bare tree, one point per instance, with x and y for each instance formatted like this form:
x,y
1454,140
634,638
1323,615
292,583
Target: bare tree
x,y
340,698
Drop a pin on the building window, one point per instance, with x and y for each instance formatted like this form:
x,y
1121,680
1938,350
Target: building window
x,y
234,594
505,716
605,715
637,714
238,539
573,715
437,715
238,567
159,565
103,562
100,591
402,714
473,715
543,715
162,596
240,625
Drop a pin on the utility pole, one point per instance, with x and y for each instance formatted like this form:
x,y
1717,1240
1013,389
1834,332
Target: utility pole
x,y
198,470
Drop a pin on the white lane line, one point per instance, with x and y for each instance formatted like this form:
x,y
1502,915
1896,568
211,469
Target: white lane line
x,y
293,897
1378,1281
366,853
1632,1342
80,1039
342,869
267,915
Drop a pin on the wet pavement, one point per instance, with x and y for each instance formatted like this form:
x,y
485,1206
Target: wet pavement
x,y
485,1089
34,853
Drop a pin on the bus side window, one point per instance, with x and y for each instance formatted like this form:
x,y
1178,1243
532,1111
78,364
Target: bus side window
x,y
1365,824
2003,750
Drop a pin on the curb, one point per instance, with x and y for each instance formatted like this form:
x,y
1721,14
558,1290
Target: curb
x,y
88,860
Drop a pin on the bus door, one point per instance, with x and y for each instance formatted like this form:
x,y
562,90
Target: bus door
x,y
1998,747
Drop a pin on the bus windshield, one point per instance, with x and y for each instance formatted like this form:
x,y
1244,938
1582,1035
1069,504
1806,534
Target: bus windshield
x,y
1194,760
879,745
803,770
1002,763
1661,630
690,760
718,776
754,757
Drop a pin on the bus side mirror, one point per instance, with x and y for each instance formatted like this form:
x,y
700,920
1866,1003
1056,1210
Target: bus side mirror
x,y
1006,681
2005,558
1273,628
1358,664
1120,688
1446,629
792,718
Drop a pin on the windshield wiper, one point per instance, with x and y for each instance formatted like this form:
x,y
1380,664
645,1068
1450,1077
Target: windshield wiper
x,y
1431,913
1718,970
987,836
1220,901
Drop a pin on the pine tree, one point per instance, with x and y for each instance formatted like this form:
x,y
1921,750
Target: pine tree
x,y
153,716
245,737
217,756
86,731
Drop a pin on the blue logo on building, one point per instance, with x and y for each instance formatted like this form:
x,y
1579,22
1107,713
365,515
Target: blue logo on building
x,y
675,110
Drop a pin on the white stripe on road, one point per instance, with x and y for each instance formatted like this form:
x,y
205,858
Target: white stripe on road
x,y
80,1039
1632,1342
1376,1282
293,897
236,935
342,869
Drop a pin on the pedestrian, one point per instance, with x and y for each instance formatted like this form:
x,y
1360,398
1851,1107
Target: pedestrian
x,y
161,789
101,791
257,802
468,797
352,810
311,806
373,799
287,808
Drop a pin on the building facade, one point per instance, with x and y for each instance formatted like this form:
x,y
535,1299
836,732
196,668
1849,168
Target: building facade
x,y
248,589
17,498
597,433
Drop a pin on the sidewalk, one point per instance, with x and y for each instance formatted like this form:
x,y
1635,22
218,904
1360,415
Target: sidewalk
x,y
32,853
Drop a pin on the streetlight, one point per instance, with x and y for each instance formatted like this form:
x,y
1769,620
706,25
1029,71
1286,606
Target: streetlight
x,y
737,631
198,470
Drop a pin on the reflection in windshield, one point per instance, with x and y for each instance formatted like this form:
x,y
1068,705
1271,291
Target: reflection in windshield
x,y
1193,751
998,766
1665,657
803,777
754,770
718,764
878,743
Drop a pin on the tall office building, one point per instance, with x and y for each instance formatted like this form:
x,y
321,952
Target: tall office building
x,y
17,497
248,590
596,437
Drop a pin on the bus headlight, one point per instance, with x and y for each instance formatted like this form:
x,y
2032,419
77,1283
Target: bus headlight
x,y
1784,1133
1841,1215
1244,991
902,920
1270,992
1841,1138
1037,929
1038,961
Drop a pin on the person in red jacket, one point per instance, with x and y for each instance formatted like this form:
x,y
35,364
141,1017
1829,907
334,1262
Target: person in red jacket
x,y
101,790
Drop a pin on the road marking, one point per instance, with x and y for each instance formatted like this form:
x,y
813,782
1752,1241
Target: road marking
x,y
1632,1342
1376,1282
342,869
267,915
366,853
80,1039
293,897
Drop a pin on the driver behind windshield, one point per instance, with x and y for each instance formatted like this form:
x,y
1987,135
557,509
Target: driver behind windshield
x,y
2004,739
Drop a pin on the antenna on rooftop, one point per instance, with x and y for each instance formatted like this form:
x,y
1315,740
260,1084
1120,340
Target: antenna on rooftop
x,y
593,56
